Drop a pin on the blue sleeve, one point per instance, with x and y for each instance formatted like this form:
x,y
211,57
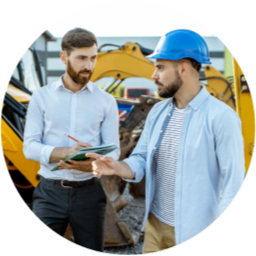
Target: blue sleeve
x,y
230,155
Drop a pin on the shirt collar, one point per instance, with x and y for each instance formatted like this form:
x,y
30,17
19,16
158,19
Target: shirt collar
x,y
59,83
197,100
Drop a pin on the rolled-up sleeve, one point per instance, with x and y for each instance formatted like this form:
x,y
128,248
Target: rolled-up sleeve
x,y
230,155
33,147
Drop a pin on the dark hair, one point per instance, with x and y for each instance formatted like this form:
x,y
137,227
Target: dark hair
x,y
77,38
196,65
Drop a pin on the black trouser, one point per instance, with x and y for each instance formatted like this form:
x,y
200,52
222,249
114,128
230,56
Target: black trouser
x,y
83,207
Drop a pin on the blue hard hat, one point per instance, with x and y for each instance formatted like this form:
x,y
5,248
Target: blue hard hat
x,y
180,44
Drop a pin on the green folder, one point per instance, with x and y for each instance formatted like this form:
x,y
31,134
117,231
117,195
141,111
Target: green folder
x,y
80,154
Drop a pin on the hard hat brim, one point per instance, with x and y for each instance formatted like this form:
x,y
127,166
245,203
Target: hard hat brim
x,y
177,57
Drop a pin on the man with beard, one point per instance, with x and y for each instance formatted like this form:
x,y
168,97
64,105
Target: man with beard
x,y
190,150
72,105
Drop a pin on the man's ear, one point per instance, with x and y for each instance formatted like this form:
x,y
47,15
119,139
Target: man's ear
x,y
183,68
63,56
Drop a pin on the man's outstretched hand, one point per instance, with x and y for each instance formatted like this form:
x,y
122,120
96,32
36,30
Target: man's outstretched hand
x,y
102,165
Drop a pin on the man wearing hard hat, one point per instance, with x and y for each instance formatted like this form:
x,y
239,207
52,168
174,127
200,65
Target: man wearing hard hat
x,y
191,148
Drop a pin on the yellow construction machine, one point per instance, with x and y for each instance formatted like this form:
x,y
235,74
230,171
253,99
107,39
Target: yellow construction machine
x,y
120,63
22,171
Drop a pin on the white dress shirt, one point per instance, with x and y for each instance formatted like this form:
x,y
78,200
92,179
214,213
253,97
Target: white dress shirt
x,y
89,115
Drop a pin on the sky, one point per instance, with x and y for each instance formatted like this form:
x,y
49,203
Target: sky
x,y
232,21
118,28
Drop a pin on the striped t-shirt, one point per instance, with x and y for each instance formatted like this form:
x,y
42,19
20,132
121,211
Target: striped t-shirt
x,y
166,159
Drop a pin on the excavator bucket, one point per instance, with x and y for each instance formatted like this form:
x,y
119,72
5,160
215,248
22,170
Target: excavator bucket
x,y
116,231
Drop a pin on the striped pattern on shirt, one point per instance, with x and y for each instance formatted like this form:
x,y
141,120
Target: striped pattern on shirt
x,y
166,159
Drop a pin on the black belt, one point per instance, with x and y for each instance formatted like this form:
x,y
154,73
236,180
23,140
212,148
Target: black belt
x,y
72,184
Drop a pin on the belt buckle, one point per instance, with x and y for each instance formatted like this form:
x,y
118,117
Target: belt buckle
x,y
61,183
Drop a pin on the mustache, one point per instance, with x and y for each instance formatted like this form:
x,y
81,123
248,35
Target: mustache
x,y
85,71
158,83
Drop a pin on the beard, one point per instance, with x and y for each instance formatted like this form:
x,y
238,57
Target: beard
x,y
76,77
169,90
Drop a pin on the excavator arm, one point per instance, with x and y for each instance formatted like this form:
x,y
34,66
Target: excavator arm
x,y
244,108
126,61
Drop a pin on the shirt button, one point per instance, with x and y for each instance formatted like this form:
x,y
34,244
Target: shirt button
x,y
154,147
161,131
169,114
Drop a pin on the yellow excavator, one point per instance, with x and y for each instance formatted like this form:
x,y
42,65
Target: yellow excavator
x,y
120,63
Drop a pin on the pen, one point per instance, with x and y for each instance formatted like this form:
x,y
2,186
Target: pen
x,y
71,137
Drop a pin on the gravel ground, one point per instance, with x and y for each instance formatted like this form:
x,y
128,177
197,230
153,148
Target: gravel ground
x,y
132,214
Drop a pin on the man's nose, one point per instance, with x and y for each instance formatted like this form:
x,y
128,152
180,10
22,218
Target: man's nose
x,y
155,75
88,65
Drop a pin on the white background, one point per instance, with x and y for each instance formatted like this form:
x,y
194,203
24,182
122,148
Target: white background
x,y
232,21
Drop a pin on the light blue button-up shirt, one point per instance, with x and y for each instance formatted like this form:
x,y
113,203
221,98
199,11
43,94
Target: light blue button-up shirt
x,y
210,161
89,115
